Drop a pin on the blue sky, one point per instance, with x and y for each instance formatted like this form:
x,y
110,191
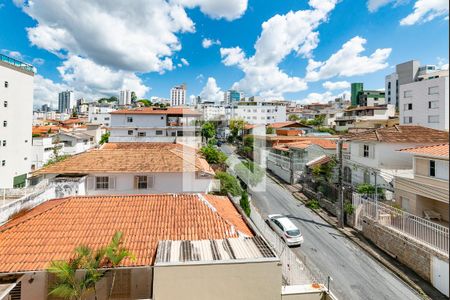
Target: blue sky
x,y
97,49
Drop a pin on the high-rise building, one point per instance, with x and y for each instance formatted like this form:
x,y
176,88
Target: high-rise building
x,y
125,98
404,73
66,102
16,118
356,88
178,95
231,96
45,108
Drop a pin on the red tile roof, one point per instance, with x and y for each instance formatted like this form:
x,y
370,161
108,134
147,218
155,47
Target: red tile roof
x,y
286,124
54,229
401,134
131,158
435,150
157,111
306,142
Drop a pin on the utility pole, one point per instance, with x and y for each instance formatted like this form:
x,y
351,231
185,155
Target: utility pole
x,y
376,195
340,184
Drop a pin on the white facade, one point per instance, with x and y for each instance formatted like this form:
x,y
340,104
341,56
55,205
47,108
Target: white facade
x,y
66,102
16,116
100,115
43,151
125,97
351,117
213,112
77,141
259,112
426,102
178,95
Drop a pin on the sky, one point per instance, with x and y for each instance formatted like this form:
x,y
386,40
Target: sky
x,y
307,51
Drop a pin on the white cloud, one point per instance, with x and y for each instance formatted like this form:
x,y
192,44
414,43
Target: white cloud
x,y
46,91
184,62
38,61
323,97
337,85
229,9
13,54
374,5
348,61
206,43
280,36
211,92
426,10
444,66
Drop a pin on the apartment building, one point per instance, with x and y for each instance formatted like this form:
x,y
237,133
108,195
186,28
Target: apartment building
x,y
212,111
373,157
178,95
404,73
16,116
125,97
425,101
154,124
259,112
136,168
100,115
426,194
66,102
370,115
232,96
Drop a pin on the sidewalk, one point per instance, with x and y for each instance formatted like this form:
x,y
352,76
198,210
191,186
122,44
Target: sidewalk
x,y
425,289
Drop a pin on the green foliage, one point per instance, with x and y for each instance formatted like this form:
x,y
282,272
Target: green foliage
x,y
249,172
104,138
293,118
228,184
368,189
74,113
270,130
212,142
324,171
145,102
208,130
133,97
35,135
325,129
212,155
56,159
108,100
245,203
248,141
317,121
348,208
236,127
313,204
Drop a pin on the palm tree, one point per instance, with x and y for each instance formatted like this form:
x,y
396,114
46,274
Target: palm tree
x,y
115,254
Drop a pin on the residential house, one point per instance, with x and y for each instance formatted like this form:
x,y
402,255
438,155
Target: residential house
x,y
44,145
154,124
77,141
100,115
373,158
136,168
426,194
290,128
369,114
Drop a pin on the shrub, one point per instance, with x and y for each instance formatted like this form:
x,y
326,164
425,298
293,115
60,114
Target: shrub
x,y
368,189
212,155
104,138
245,204
313,204
249,171
349,208
228,184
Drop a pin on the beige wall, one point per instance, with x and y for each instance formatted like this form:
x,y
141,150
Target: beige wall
x,y
237,281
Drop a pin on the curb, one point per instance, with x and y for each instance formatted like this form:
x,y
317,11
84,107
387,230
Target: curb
x,y
359,243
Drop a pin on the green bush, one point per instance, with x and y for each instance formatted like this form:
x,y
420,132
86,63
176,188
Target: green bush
x,y
245,204
249,171
349,208
104,138
368,189
228,184
212,155
313,204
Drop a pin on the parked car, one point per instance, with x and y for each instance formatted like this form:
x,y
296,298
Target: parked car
x,y
219,143
285,229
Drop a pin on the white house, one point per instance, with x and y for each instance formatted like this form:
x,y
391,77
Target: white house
x,y
375,152
77,141
259,112
137,168
352,116
154,124
426,102
16,116
44,149
100,115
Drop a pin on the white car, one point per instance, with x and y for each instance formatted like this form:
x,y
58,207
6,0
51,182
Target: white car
x,y
286,229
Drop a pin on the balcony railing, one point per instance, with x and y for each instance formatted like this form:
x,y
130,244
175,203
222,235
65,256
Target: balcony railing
x,y
17,63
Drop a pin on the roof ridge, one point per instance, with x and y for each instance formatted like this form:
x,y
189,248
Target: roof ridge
x,y
378,136
216,211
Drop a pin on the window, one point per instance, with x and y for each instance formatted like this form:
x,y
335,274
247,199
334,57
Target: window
x,y
5,123
433,90
6,84
407,120
95,118
433,119
130,132
5,103
432,168
433,104
162,117
366,152
407,94
130,119
143,182
4,143
141,134
3,163
407,106
107,119
102,183
159,132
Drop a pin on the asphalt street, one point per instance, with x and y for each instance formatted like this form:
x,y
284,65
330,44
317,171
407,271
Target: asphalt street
x,y
326,252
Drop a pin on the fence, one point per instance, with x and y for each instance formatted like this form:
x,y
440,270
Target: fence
x,y
432,234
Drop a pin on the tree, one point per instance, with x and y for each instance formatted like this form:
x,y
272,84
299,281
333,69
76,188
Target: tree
x,y
115,254
293,118
245,204
208,130
133,97
236,127
249,172
145,102
228,184
270,130
104,138
57,157
212,155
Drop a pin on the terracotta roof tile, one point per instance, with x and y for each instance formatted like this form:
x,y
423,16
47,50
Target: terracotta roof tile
x,y
52,230
132,158
435,150
401,134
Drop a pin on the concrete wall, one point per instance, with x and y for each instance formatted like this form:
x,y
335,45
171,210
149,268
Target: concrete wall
x,y
422,167
278,170
414,255
237,281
